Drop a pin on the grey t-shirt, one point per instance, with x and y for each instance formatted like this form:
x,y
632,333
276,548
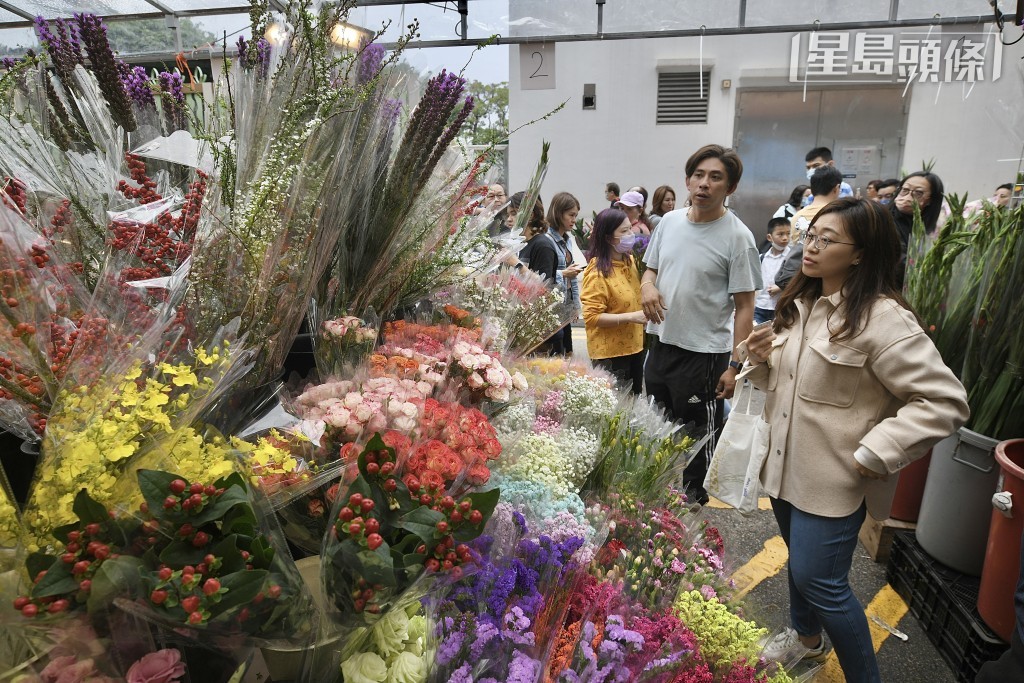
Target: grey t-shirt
x,y
700,266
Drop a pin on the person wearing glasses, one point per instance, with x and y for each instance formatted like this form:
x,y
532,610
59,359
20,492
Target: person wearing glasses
x,y
925,190
855,392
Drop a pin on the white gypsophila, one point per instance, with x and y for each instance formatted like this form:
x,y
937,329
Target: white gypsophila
x,y
587,401
515,418
580,448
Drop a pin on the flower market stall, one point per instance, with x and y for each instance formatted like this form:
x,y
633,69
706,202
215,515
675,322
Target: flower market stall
x,y
434,503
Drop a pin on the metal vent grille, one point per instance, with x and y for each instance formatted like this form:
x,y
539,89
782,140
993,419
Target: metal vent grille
x,y
679,99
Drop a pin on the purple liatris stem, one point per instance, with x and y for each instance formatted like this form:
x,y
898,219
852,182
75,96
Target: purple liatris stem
x,y
63,46
370,58
136,84
173,99
97,47
446,139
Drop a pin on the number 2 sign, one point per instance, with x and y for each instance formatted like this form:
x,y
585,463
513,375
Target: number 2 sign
x,y
537,66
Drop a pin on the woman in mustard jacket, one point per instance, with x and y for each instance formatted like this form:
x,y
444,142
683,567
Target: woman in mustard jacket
x,y
611,301
855,391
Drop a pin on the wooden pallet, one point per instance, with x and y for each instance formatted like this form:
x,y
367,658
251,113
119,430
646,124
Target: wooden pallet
x,y
876,536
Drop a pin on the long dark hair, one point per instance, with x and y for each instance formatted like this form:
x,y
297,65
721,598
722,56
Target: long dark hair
x,y
930,213
871,227
535,225
659,198
605,225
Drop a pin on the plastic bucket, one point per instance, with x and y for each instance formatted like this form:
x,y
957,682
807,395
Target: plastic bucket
x,y
906,503
957,506
1002,559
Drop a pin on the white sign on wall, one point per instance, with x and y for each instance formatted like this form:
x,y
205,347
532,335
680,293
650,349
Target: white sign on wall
x,y
921,56
537,66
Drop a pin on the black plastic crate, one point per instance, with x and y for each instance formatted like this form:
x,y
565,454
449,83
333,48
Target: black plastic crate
x,y
945,603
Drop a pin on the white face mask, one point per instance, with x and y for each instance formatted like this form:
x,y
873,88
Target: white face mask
x,y
810,172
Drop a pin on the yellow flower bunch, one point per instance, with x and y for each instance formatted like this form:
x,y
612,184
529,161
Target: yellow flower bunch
x,y
98,435
269,456
10,524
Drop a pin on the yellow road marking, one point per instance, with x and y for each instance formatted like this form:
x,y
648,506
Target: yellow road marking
x,y
762,504
764,564
887,606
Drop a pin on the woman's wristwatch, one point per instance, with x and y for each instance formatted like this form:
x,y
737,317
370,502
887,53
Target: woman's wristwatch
x,y
735,364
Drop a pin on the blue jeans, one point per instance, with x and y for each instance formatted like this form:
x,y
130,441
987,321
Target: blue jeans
x,y
763,315
820,555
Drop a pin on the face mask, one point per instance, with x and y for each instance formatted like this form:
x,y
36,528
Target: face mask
x,y
806,201
625,244
810,172
885,200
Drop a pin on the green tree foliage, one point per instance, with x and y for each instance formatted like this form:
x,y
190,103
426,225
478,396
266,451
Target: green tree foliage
x,y
489,121
152,35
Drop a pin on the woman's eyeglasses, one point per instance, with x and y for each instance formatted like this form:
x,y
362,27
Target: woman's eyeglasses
x,y
820,242
916,194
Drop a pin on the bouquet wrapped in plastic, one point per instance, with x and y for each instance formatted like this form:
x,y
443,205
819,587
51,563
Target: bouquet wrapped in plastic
x,y
410,509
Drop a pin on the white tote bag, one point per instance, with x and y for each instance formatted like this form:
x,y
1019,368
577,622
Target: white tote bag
x,y
734,473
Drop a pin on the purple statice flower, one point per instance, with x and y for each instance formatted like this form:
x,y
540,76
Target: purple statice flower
x,y
461,675
616,630
8,62
486,632
136,84
520,521
522,668
451,646
371,56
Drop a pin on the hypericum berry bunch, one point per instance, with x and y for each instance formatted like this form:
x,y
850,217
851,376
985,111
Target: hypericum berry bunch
x,y
193,588
445,555
86,550
191,499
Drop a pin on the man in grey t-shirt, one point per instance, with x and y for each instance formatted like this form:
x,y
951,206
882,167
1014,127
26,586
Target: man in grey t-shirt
x,y
702,271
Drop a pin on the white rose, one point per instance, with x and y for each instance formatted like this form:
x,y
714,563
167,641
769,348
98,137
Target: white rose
x,y
519,382
363,412
500,395
404,424
408,668
352,399
461,348
336,416
389,633
365,667
495,377
475,381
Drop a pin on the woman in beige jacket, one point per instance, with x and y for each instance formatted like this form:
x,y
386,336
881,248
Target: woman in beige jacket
x,y
856,391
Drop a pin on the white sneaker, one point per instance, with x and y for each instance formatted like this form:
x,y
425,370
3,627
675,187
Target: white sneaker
x,y
786,643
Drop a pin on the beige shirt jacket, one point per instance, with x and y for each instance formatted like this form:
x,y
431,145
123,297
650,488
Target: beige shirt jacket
x,y
887,389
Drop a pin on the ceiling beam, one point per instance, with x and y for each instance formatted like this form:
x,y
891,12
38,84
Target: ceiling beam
x,y
159,5
724,31
14,10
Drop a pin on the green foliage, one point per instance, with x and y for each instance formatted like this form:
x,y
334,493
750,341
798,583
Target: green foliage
x,y
152,35
488,124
